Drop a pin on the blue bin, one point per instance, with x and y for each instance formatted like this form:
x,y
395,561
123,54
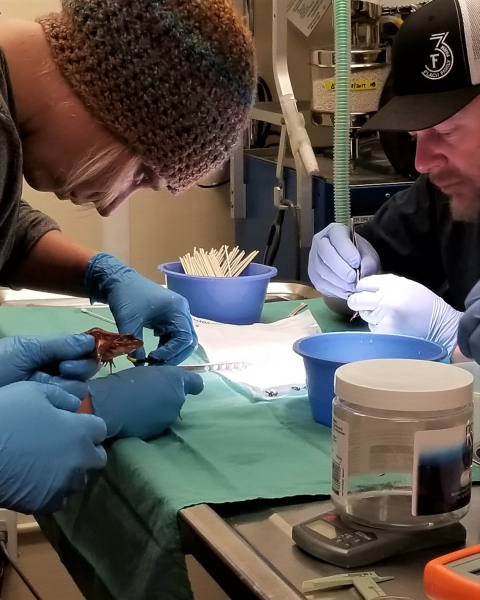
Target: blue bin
x,y
323,353
236,300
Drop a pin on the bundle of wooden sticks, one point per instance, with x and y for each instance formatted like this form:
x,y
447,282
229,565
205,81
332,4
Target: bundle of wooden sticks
x,y
217,263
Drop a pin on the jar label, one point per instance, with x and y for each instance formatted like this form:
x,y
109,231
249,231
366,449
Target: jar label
x,y
339,457
442,472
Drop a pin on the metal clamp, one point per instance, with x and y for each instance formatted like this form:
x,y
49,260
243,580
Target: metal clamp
x,y
279,189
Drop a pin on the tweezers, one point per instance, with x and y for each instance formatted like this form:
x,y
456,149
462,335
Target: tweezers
x,y
198,368
353,237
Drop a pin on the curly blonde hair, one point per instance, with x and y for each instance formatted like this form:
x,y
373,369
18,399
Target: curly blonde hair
x,y
104,163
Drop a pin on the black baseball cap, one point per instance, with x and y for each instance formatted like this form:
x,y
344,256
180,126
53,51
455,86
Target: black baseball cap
x,y
435,66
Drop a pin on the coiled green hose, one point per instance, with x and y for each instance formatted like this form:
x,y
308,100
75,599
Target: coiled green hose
x,y
341,142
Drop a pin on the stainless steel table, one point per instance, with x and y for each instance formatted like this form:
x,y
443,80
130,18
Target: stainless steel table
x,y
251,555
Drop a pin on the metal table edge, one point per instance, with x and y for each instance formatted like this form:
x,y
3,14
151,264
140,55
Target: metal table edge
x,y
229,559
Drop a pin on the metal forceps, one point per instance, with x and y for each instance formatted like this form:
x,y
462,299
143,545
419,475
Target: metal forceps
x,y
218,367
353,237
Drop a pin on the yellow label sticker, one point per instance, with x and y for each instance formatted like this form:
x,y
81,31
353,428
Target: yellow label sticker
x,y
358,86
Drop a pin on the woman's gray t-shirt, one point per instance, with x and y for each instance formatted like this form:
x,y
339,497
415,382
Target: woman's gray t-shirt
x,y
21,226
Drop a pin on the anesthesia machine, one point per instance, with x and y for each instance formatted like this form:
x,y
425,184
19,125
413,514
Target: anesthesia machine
x,y
282,184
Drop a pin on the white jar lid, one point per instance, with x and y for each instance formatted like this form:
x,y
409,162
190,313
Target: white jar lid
x,y
404,385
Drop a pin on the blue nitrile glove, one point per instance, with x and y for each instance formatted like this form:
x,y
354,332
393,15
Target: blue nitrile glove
x,y
392,304
26,357
46,450
333,259
469,328
142,402
137,302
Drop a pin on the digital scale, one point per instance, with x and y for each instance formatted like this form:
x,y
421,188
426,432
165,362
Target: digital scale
x,y
330,539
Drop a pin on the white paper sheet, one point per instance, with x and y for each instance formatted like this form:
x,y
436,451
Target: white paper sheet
x,y
306,14
273,367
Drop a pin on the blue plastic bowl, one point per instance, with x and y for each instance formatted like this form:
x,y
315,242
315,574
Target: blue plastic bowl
x,y
236,300
323,353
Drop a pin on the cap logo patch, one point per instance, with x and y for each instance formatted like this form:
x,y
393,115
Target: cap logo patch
x,y
440,61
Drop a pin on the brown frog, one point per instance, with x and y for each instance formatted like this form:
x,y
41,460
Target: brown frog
x,y
109,345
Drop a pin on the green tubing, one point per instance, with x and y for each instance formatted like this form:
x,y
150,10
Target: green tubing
x,y
341,143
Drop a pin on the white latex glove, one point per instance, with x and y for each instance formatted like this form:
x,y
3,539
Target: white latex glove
x,y
392,304
333,259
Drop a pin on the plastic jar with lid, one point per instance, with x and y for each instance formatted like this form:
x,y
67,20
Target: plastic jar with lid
x,y
402,443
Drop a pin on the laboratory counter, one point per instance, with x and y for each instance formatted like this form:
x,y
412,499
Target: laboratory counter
x,y
252,555
225,484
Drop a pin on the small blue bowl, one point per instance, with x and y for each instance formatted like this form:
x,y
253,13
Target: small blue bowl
x,y
323,353
236,300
